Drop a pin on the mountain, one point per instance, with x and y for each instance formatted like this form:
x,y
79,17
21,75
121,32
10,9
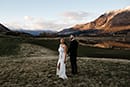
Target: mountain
x,y
48,33
67,32
90,32
36,32
6,31
24,32
3,28
111,21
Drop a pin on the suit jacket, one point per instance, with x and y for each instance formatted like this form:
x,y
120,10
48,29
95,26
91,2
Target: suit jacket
x,y
73,48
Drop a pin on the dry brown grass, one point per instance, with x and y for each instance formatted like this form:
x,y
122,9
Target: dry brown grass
x,y
40,72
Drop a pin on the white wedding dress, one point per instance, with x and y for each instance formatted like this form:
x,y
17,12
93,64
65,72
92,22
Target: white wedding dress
x,y
62,71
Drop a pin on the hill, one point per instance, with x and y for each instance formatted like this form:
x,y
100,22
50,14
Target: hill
x,y
111,21
3,28
4,31
106,24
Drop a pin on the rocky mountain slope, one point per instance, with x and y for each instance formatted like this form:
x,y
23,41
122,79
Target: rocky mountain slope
x,y
3,28
111,21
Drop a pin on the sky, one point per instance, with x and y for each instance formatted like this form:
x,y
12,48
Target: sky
x,y
54,14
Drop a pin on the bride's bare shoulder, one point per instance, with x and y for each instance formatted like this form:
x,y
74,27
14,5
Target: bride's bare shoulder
x,y
64,46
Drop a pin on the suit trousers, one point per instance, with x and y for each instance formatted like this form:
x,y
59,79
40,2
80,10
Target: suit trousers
x,y
73,61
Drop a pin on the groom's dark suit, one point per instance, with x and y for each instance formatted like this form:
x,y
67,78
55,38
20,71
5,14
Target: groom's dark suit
x,y
73,55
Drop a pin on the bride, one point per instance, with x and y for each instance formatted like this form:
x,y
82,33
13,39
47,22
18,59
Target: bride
x,y
61,65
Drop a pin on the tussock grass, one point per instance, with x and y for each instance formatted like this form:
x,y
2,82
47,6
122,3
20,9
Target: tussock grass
x,y
9,46
41,73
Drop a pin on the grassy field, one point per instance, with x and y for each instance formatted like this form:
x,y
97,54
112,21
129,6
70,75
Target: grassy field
x,y
41,73
11,46
35,67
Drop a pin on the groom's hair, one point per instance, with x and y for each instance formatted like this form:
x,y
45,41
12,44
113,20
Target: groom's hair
x,y
72,36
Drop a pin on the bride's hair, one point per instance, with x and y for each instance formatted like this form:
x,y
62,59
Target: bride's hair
x,y
64,41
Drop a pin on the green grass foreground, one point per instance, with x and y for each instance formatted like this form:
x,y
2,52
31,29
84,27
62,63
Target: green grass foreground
x,y
11,46
41,73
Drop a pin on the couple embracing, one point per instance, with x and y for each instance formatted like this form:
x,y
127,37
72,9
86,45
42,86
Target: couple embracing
x,y
72,51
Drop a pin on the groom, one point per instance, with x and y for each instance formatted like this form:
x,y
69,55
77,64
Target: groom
x,y
72,51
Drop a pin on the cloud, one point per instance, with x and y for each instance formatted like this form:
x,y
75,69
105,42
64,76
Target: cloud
x,y
72,15
28,18
65,20
36,23
14,25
